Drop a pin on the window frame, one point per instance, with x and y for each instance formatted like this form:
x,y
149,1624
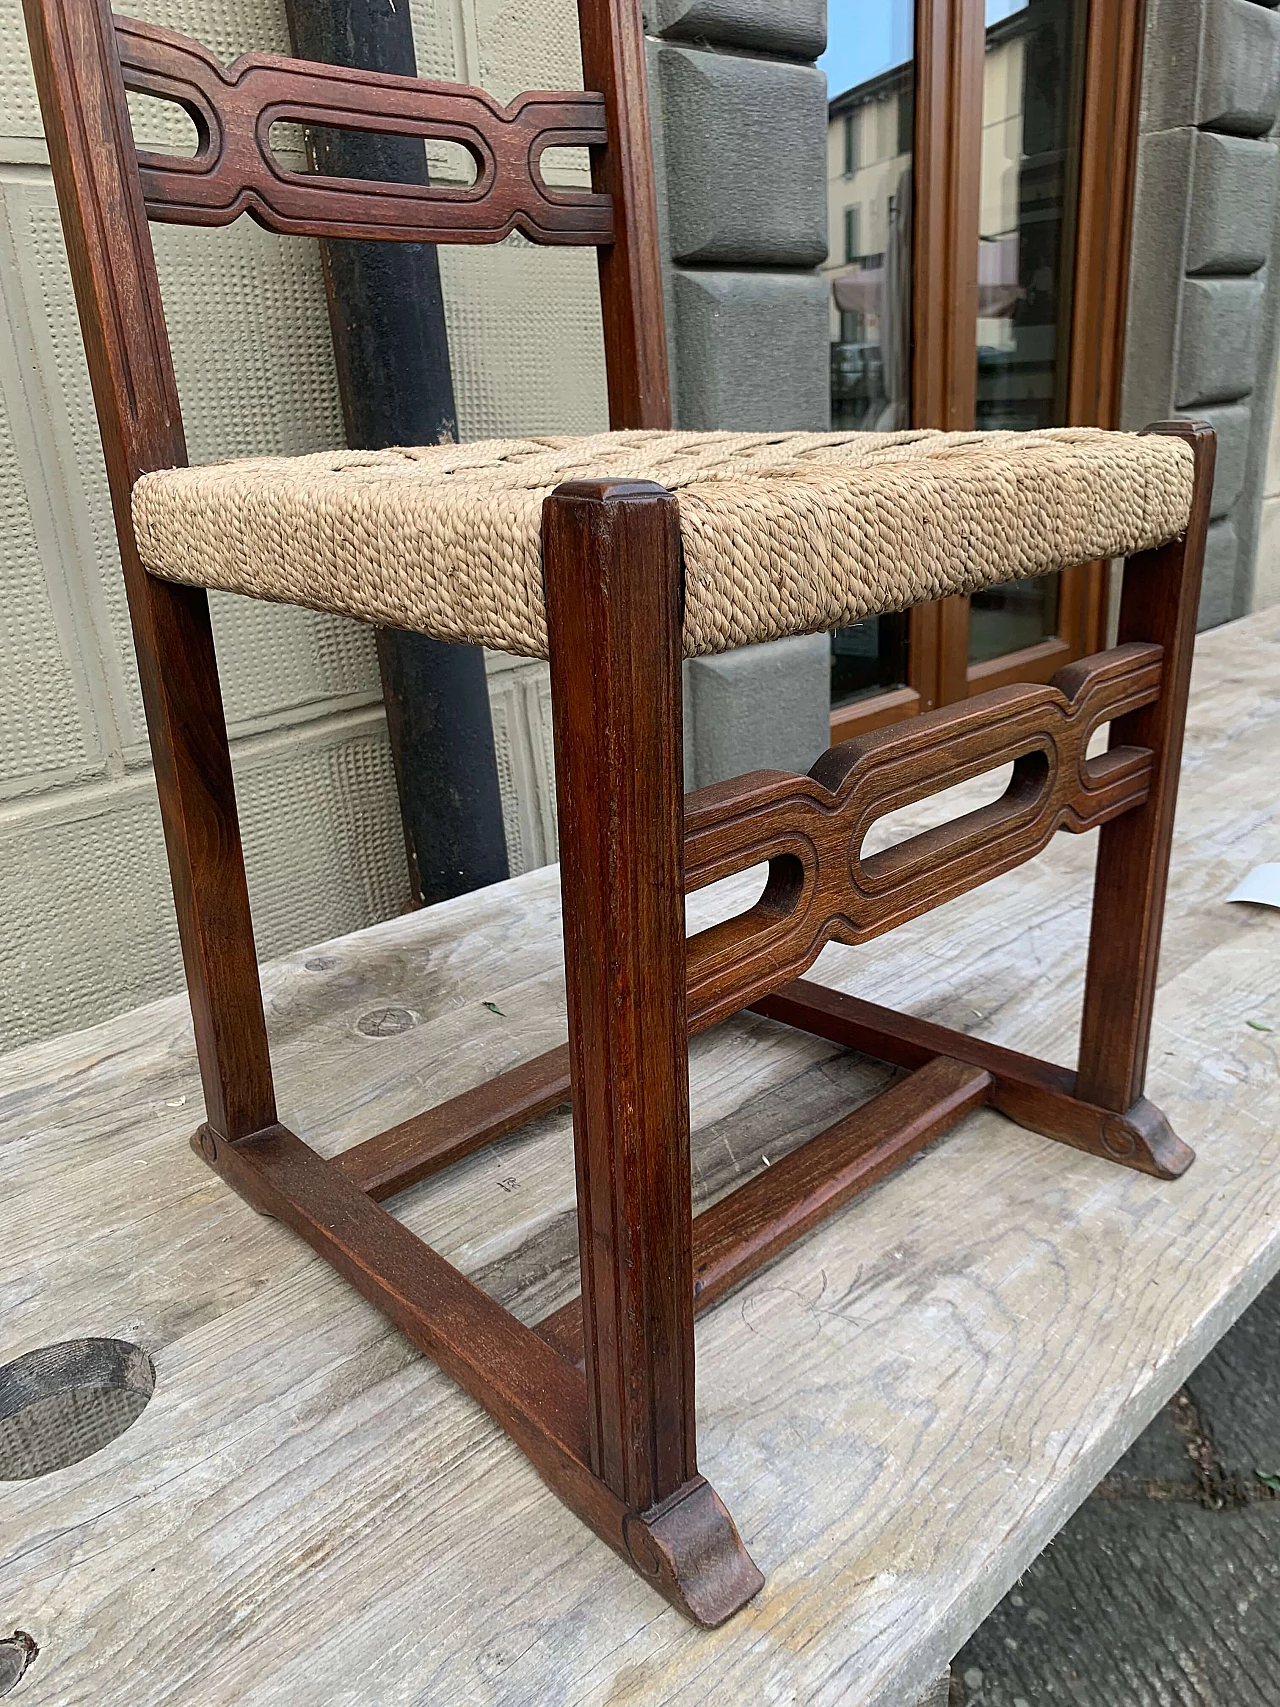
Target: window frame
x,y
950,45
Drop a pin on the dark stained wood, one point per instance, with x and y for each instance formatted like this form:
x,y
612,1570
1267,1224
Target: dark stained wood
x,y
614,595
950,50
611,556
1038,1095
953,649
924,634
876,711
635,344
86,122
1159,602
616,1441
751,1226
475,1341
407,1153
235,170
811,828
1108,164
686,1547
745,1230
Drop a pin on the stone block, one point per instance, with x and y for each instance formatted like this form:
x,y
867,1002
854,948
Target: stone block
x,y
1233,190
1218,591
1237,1391
1214,63
1240,71
798,29
1231,422
1170,64
752,350
1159,1454
1266,572
1137,1600
761,707
744,139
1218,341
1161,193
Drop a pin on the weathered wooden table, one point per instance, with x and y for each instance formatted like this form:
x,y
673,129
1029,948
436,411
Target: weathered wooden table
x,y
899,1413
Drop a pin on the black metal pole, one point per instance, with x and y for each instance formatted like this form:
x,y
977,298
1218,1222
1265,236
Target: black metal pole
x,y
386,311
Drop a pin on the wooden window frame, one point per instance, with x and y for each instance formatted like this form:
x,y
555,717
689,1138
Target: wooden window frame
x,y
852,231
950,45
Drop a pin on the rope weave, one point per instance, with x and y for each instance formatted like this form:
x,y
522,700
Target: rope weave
x,y
783,534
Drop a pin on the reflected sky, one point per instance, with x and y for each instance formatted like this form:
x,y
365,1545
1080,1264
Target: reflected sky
x,y
866,37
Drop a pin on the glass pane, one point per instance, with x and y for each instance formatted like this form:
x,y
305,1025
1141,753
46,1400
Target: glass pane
x,y
871,84
1005,619
868,658
1033,91
870,130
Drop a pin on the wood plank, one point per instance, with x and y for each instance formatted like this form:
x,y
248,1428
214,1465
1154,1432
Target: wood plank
x,y
615,594
1037,1094
635,334
425,1143
1159,599
747,1229
878,1408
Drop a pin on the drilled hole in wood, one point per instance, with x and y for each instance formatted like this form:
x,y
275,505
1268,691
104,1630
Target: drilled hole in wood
x,y
16,1654
61,1403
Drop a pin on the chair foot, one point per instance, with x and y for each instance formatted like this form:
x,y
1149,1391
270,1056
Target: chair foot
x,y
1141,1138
685,1546
1144,1139
1035,1094
688,1547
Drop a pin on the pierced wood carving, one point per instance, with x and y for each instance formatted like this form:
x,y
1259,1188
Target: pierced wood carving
x,y
811,828
235,169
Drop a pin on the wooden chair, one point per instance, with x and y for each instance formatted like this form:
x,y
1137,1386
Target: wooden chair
x,y
765,537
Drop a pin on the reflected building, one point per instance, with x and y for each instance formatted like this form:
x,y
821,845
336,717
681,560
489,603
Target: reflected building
x,y
1029,167
869,148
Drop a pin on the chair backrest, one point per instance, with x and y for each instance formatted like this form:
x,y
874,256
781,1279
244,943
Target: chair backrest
x,y
86,59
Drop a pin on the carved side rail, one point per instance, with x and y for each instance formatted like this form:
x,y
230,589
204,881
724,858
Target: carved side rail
x,y
811,828
235,170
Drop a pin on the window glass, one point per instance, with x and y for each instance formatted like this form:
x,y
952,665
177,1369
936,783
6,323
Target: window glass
x,y
870,136
1033,86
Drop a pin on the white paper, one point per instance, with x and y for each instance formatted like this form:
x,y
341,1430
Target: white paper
x,y
1262,884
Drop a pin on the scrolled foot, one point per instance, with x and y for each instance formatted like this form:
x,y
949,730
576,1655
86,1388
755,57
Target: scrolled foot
x,y
1144,1139
689,1549
1140,1138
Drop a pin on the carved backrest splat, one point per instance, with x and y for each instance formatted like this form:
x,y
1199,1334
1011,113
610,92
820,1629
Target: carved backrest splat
x,y
235,170
85,57
811,828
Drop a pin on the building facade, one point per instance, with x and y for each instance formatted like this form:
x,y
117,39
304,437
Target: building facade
x,y
788,215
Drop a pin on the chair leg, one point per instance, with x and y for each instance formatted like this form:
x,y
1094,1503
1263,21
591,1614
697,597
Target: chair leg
x,y
1160,601
202,835
613,594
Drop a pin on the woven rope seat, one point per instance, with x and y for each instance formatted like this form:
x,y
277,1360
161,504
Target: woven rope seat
x,y
790,533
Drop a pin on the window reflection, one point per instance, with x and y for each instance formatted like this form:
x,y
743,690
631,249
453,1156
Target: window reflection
x,y
1032,100
871,117
870,131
